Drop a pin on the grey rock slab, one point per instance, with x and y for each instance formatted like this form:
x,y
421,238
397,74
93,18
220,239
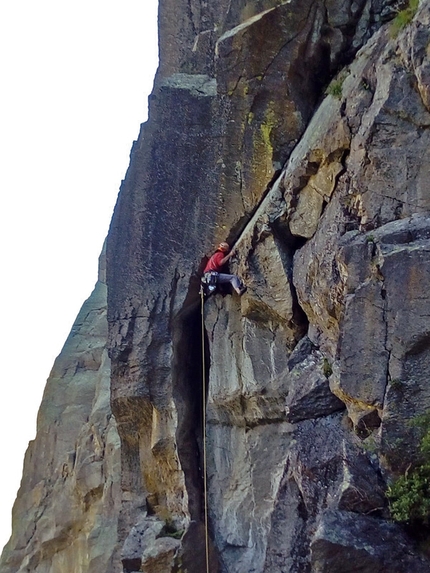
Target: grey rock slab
x,y
242,492
67,507
247,382
323,468
345,542
384,331
363,353
141,536
309,394
161,556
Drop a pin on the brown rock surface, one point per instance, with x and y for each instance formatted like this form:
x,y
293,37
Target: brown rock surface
x,y
311,376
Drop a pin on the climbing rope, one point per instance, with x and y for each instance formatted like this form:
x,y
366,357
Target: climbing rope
x,y
205,485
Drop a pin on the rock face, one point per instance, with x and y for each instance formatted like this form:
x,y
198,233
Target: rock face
x,y
65,517
302,389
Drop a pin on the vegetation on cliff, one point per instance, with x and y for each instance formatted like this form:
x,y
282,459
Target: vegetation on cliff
x,y
409,494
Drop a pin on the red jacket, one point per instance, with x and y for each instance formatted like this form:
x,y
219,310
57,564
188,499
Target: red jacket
x,y
214,263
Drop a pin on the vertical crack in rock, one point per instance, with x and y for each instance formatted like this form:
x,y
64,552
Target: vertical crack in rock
x,y
190,370
188,395
287,539
386,339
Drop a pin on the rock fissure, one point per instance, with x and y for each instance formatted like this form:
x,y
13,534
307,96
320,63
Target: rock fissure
x,y
403,202
188,395
264,72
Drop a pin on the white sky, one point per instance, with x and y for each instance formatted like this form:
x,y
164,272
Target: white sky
x,y
75,77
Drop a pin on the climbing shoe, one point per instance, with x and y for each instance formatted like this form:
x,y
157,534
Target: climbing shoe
x,y
242,290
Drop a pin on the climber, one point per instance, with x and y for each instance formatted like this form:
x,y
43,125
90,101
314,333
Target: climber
x,y
212,274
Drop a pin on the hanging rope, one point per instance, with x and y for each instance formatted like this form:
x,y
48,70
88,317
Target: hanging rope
x,y
205,484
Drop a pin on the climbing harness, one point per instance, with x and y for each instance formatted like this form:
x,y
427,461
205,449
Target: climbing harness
x,y
205,485
210,281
